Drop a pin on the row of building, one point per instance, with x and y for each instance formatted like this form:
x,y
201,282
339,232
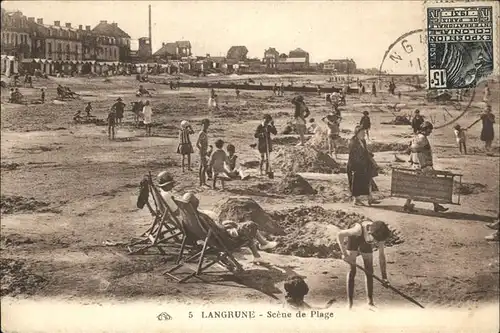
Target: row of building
x,y
60,47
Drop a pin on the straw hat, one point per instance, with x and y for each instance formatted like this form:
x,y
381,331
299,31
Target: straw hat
x,y
164,178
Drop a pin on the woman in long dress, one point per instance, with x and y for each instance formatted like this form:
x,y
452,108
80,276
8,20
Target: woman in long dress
x,y
360,168
487,132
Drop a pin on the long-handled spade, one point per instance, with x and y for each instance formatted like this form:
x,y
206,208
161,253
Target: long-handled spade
x,y
388,286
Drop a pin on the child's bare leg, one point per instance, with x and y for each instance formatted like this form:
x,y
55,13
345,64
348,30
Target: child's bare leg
x,y
262,160
189,161
201,173
214,185
465,148
222,184
182,163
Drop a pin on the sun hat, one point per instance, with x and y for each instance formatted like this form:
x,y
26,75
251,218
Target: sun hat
x,y
192,199
119,99
184,124
164,178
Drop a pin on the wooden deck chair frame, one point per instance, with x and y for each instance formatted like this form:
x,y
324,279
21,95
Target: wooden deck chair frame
x,y
208,232
164,223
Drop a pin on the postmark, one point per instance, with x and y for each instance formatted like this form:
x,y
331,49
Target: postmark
x,y
405,63
461,43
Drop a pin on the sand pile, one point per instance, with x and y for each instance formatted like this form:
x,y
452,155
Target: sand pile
x,y
312,231
305,159
15,204
468,188
246,209
295,184
17,279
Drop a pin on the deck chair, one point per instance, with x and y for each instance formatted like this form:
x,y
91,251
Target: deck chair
x,y
216,244
165,230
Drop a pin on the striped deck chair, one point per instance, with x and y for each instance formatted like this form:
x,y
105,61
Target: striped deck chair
x,y
165,230
217,244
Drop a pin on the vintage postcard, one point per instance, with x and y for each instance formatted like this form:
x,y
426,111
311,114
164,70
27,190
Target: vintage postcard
x,y
255,166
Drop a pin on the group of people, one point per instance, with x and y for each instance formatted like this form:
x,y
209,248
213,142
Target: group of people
x,y
65,92
15,96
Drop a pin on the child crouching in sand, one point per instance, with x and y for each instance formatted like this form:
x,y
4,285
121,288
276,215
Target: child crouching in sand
x,y
296,289
217,162
232,170
460,137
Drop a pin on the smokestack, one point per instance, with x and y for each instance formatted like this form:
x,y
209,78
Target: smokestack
x,y
39,20
87,27
80,27
31,19
150,39
57,23
68,25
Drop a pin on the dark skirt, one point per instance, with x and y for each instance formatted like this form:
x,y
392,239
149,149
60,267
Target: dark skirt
x,y
487,133
185,149
359,182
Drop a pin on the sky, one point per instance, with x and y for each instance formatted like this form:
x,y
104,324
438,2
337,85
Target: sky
x,y
361,30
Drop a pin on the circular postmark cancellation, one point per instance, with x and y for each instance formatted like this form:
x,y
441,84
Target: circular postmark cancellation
x,y
404,66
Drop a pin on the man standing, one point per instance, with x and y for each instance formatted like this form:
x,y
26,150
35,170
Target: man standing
x,y
263,134
374,89
421,158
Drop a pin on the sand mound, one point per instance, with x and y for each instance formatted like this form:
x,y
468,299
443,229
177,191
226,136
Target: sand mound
x,y
246,209
312,231
305,159
15,204
16,278
295,184
469,188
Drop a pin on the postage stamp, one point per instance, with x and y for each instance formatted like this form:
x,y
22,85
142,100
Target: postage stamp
x,y
461,43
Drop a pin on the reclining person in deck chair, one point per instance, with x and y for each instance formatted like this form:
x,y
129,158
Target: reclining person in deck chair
x,y
244,230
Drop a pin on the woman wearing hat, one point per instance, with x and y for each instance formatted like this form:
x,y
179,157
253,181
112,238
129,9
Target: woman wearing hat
x,y
487,132
421,158
300,115
361,168
119,108
185,147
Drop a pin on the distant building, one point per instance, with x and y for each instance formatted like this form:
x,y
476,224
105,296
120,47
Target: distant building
x,y
16,34
271,58
113,44
237,53
174,51
297,60
339,66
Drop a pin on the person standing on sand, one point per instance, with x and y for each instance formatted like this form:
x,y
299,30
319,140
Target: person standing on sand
x,y
417,121
147,115
487,132
185,148
361,239
374,89
486,97
361,168
111,124
202,145
42,97
300,115
366,123
421,158
217,163
119,107
264,144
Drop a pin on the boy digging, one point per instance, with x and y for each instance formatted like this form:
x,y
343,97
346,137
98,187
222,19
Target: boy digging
x,y
202,145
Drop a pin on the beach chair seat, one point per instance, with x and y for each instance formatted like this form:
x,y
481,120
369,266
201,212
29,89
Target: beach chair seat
x,y
165,230
217,248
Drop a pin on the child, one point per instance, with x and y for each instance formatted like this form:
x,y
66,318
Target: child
x,y
332,121
217,161
231,169
296,288
147,116
185,147
88,109
209,168
202,145
43,95
263,134
366,124
77,116
460,136
111,124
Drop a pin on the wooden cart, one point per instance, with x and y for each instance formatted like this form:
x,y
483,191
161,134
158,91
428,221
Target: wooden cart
x,y
426,187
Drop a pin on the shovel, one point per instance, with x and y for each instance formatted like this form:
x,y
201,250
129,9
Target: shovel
x,y
270,173
390,287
